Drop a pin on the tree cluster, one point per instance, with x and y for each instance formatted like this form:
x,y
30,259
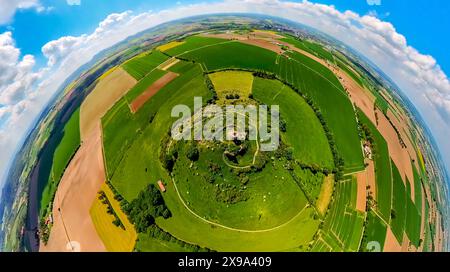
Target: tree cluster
x,y
143,209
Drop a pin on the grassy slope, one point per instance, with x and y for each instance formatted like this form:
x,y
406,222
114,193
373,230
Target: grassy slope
x,y
323,87
304,131
270,204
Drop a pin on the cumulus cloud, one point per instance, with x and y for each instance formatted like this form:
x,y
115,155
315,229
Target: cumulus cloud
x,y
419,76
9,7
16,75
17,96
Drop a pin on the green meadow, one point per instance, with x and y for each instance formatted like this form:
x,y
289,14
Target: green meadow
x,y
139,66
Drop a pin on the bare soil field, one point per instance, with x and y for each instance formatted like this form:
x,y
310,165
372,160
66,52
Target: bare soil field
x,y
107,92
226,36
260,39
151,91
76,192
357,94
404,130
264,44
405,244
391,244
266,34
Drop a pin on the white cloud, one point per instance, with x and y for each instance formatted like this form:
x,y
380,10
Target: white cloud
x,y
73,2
18,94
418,75
58,49
9,7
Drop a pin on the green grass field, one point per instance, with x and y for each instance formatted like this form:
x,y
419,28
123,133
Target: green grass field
x,y
143,84
398,215
304,132
193,43
343,228
233,55
316,81
142,64
383,176
232,82
62,155
310,47
293,236
375,231
413,218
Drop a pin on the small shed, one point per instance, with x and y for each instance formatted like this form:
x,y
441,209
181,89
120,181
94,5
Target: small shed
x,y
161,186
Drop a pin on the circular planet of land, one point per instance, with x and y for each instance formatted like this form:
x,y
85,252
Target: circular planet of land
x,y
333,160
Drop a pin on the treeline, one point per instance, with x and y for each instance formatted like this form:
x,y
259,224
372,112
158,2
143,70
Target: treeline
x,y
109,209
143,210
210,87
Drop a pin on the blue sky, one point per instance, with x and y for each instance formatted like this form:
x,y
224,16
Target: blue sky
x,y
408,40
424,23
